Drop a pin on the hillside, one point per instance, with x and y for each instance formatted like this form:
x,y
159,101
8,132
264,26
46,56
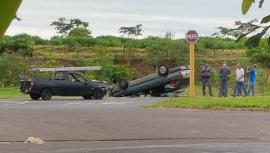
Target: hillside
x,y
120,57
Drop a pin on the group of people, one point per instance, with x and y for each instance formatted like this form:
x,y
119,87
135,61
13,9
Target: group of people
x,y
224,75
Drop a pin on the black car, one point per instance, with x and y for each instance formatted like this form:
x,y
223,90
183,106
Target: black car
x,y
157,84
64,83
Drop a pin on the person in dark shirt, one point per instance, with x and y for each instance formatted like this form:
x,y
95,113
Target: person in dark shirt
x,y
206,78
252,80
224,73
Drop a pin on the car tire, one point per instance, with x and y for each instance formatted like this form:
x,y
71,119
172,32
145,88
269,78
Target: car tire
x,y
163,70
123,84
98,93
46,94
87,97
34,97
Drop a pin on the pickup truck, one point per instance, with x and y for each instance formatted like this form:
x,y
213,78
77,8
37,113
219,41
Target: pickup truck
x,y
157,84
64,83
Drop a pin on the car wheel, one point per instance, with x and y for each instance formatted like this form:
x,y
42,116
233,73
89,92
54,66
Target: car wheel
x,y
123,84
87,97
34,97
46,94
98,93
163,70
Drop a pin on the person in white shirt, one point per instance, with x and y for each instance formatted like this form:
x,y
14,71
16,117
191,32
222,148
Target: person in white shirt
x,y
240,79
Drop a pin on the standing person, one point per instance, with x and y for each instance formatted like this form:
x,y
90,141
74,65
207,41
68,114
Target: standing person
x,y
240,79
224,73
252,80
206,78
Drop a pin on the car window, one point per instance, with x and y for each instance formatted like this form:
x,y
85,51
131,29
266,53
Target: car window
x,y
71,78
78,77
59,76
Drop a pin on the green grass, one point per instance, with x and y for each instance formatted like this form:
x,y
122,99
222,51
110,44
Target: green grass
x,y
216,103
11,92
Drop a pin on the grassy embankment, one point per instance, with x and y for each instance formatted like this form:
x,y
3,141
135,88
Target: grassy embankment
x,y
11,92
217,103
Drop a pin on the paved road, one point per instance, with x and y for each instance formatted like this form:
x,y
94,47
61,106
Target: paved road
x,y
121,125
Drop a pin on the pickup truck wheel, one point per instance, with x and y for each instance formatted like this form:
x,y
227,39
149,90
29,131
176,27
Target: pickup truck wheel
x,y
34,97
46,94
123,84
98,93
163,70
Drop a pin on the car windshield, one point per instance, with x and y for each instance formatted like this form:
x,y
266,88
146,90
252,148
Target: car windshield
x,y
78,77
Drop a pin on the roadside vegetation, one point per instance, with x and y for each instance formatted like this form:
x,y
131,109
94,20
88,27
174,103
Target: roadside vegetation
x,y
11,92
122,57
216,103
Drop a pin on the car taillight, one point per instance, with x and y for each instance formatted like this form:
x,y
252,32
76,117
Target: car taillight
x,y
31,82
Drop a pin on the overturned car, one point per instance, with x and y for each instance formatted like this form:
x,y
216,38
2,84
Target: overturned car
x,y
157,85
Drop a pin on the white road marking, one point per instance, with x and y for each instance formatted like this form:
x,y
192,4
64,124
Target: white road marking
x,y
4,143
87,103
143,147
16,103
77,103
111,101
23,103
118,103
6,101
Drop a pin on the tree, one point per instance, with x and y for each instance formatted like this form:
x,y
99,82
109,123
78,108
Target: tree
x,y
64,26
138,30
79,32
132,31
169,35
244,29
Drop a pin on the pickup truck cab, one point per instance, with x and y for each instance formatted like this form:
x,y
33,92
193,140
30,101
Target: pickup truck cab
x,y
64,83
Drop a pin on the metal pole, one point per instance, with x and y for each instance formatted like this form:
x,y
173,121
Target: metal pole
x,y
192,70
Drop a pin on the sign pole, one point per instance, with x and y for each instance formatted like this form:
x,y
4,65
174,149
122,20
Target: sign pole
x,y
192,37
192,69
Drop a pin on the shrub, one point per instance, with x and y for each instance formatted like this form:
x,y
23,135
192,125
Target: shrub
x,y
11,66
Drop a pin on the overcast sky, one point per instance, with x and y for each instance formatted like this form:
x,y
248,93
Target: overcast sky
x,y
157,16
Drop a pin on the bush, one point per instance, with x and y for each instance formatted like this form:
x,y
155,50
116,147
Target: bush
x,y
260,54
73,41
36,39
110,72
22,45
11,66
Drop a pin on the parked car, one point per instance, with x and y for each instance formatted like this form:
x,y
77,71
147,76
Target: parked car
x,y
66,82
157,84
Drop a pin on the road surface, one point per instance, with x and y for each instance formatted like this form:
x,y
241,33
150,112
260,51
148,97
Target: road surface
x,y
122,125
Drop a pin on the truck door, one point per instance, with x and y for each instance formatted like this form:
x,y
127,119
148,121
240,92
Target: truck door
x,y
77,85
60,84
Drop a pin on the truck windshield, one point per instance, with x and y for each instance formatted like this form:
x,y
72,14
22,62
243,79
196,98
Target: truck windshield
x,y
78,77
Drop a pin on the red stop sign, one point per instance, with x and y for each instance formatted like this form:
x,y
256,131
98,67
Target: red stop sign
x,y
192,36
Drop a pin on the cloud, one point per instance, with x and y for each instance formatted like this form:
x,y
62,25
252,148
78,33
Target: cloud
x,y
107,16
